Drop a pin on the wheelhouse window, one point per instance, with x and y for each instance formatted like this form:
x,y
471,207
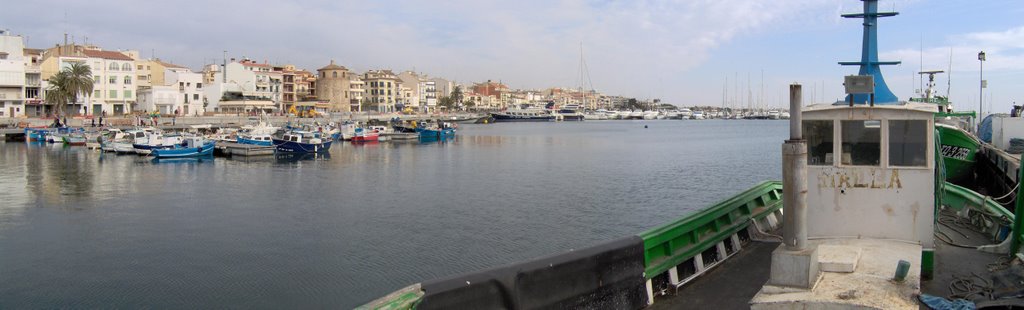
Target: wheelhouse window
x,y
861,143
908,143
819,142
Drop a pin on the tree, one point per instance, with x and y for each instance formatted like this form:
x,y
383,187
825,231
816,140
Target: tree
x,y
67,85
367,105
447,102
457,94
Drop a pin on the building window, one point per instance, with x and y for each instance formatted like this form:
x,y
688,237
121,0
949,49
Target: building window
x,y
139,67
334,74
112,79
819,142
97,93
126,67
96,79
908,143
195,97
199,85
861,141
127,94
127,80
113,94
112,67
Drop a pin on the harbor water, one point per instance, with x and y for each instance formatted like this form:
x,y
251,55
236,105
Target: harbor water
x,y
84,229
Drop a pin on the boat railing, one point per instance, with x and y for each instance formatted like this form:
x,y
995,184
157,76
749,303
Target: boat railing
x,y
613,271
709,236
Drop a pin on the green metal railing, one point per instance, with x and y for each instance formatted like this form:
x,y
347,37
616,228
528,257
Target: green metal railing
x,y
671,244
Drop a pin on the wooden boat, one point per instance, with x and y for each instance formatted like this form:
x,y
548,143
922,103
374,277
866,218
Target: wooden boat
x,y
75,139
191,147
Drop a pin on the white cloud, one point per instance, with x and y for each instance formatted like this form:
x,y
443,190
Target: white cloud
x,y
630,45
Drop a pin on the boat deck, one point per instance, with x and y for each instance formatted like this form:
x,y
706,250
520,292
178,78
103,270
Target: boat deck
x,y
732,284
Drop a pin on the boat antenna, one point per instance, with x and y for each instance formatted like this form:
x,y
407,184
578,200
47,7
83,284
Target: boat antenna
x,y
920,63
869,63
949,74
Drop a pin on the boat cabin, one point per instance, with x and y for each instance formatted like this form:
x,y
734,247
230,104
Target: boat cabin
x,y
871,172
193,142
302,137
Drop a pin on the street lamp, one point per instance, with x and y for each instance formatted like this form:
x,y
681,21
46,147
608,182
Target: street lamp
x,y
981,85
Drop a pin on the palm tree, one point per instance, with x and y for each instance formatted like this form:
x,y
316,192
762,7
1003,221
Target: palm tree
x,y
67,85
457,94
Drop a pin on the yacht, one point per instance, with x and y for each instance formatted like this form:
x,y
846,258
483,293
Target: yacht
x,y
524,114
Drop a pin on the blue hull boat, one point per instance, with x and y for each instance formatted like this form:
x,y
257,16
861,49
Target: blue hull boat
x,y
254,142
437,133
35,135
299,147
185,151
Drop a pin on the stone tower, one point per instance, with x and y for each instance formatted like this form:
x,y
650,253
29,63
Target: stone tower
x,y
333,85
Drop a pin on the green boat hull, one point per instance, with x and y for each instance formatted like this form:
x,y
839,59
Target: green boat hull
x,y
959,150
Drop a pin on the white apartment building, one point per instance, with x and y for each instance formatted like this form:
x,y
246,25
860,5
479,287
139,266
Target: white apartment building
x,y
114,87
180,94
244,86
12,75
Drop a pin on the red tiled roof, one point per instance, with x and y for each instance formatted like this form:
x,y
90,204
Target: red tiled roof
x,y
254,64
169,65
106,55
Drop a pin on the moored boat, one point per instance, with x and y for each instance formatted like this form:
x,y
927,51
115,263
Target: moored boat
x,y
302,142
255,139
528,114
75,139
365,135
154,139
868,224
36,134
190,147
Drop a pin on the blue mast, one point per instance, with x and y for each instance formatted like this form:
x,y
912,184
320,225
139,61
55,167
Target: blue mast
x,y
869,64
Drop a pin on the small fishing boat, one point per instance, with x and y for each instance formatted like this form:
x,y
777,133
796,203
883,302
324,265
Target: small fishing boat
x,y
190,147
256,139
75,139
302,142
365,135
36,134
440,131
155,140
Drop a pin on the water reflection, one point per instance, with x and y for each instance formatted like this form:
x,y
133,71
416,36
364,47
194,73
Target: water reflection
x,y
198,233
296,157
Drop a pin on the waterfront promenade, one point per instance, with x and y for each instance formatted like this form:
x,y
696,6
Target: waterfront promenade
x,y
17,125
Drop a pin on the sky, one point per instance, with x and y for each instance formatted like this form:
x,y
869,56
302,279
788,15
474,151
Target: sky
x,y
692,52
